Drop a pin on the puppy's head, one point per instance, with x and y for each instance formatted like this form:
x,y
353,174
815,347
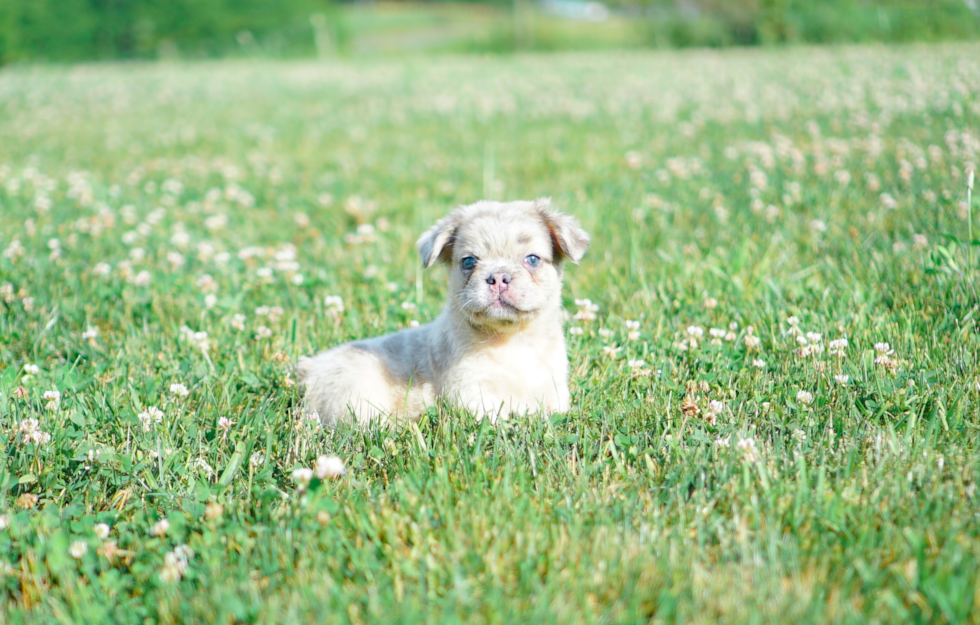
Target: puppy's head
x,y
505,258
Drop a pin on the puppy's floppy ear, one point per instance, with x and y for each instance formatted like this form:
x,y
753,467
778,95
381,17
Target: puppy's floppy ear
x,y
567,236
436,243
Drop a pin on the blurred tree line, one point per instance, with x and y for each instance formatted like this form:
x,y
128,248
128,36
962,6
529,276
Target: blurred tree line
x,y
680,23
72,30
69,30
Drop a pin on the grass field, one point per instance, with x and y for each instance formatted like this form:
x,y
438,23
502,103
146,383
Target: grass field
x,y
173,237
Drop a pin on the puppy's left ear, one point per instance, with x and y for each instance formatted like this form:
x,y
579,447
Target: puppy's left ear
x,y
436,243
567,236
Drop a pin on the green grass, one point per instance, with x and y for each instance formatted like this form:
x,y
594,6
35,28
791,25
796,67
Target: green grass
x,y
740,188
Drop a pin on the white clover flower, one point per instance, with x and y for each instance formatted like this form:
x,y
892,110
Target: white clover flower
x,y
32,369
101,530
695,331
799,435
172,570
724,443
203,465
160,528
586,310
605,333
814,337
200,339
53,397
224,423
257,459
793,320
28,427
611,350
751,341
636,364
688,344
78,549
90,334
302,476
102,269
884,348
4,521
575,330
262,332
178,391
758,363
804,397
717,333
150,416
216,222
842,379
207,284
749,451
180,239
837,347
334,304
237,322
329,466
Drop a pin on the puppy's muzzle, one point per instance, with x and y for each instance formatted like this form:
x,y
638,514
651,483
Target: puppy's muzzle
x,y
499,282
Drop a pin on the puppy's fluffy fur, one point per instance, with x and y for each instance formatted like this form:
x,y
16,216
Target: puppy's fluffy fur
x,y
498,346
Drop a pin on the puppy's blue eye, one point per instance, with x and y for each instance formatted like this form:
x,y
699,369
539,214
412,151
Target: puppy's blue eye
x,y
468,263
532,260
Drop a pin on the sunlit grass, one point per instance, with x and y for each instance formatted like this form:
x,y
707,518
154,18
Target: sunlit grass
x,y
729,455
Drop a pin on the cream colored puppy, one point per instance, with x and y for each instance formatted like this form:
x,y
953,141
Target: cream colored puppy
x,y
498,346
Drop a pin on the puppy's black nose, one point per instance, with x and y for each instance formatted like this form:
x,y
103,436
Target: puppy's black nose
x,y
499,278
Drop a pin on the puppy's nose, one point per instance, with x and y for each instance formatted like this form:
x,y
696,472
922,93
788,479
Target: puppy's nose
x,y
499,279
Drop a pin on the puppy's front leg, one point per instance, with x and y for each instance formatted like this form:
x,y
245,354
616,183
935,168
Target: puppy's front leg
x,y
481,402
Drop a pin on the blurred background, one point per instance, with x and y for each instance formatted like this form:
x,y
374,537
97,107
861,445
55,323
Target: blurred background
x,y
89,30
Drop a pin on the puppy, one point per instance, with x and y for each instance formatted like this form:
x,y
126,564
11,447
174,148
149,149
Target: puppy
x,y
498,346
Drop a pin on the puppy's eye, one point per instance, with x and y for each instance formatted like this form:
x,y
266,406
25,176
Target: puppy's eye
x,y
468,263
532,261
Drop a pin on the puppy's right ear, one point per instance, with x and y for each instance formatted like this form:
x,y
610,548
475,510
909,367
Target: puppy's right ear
x,y
437,242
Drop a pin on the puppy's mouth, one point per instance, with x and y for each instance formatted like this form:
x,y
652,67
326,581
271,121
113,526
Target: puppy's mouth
x,y
501,303
500,311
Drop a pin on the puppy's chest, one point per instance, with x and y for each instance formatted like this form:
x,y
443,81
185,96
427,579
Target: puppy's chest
x,y
519,369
